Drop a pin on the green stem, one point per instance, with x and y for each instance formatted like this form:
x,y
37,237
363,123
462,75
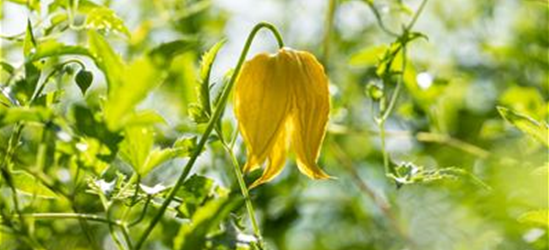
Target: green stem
x,y
76,216
51,74
330,14
389,169
112,231
246,194
380,22
5,167
211,125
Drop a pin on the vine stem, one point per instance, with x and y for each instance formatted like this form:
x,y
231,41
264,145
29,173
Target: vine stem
x,y
246,194
211,125
88,217
389,170
329,26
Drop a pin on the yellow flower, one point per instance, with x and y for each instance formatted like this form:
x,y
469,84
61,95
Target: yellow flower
x,y
282,100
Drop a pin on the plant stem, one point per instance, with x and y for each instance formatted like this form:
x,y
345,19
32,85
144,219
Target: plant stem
x,y
5,167
246,194
330,14
211,125
76,216
389,169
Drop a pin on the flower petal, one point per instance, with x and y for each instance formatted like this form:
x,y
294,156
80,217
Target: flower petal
x,y
310,113
277,159
262,104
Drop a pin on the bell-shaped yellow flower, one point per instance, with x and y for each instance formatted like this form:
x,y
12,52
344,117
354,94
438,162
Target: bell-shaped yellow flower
x,y
282,100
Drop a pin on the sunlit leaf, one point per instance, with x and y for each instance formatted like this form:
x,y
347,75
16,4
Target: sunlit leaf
x,y
136,147
205,70
25,114
537,217
105,19
29,185
533,128
369,56
139,79
53,48
106,59
30,42
144,118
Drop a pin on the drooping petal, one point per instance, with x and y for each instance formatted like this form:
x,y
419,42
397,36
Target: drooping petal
x,y
311,106
277,158
262,104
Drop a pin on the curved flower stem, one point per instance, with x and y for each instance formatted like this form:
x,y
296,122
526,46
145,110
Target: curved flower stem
x,y
211,125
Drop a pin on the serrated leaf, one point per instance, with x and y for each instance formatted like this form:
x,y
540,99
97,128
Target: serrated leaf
x,y
27,184
409,173
538,130
84,80
105,19
185,146
197,113
205,70
537,217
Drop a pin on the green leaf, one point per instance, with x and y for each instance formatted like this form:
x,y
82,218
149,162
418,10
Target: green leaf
x,y
84,80
140,78
197,113
368,57
53,48
192,236
205,70
144,118
408,173
27,184
194,193
537,217
128,85
104,19
185,146
86,124
538,130
7,67
164,53
29,43
25,114
106,59
136,147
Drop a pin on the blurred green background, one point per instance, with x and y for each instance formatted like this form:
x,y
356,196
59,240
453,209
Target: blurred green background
x,y
476,56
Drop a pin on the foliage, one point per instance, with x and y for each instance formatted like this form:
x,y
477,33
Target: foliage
x,y
117,129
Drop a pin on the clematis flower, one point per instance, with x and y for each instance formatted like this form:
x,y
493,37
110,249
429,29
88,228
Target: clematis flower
x,y
282,101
